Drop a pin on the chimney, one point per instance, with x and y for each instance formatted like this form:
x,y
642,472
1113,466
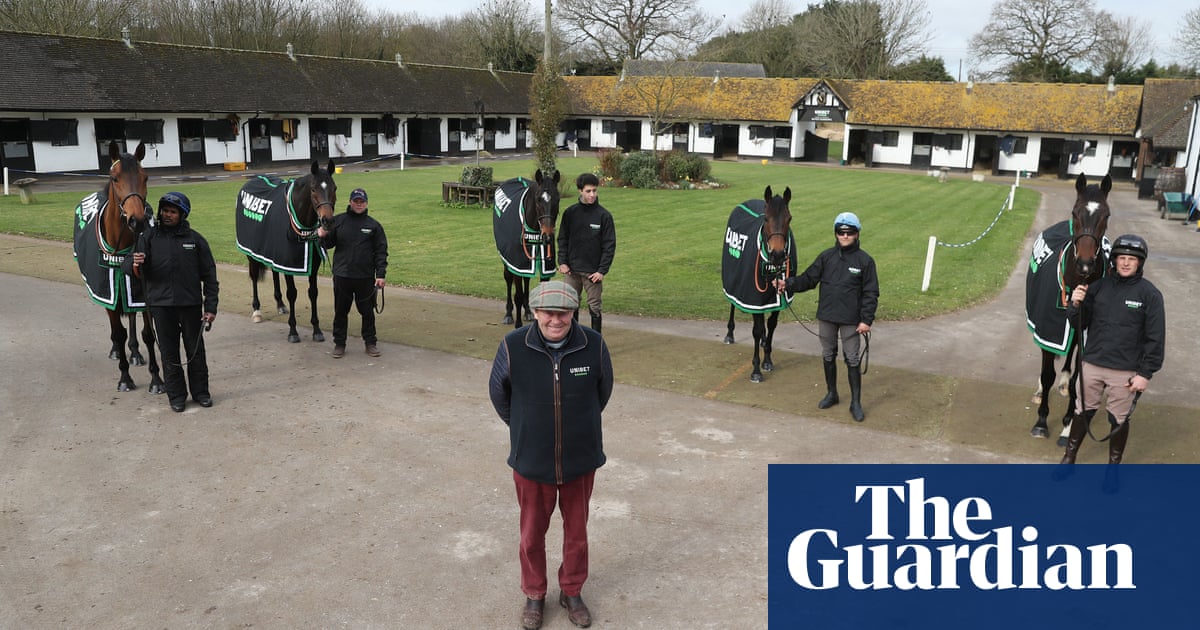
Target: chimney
x,y
1112,85
125,37
717,76
399,60
490,68
291,52
970,85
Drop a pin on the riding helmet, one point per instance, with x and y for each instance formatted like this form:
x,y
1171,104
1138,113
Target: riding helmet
x,y
847,219
177,199
1131,245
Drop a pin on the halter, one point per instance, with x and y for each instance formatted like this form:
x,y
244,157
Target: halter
x,y
146,208
532,236
305,232
764,268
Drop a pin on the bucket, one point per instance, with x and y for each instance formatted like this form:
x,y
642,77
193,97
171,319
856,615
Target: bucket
x,y
337,170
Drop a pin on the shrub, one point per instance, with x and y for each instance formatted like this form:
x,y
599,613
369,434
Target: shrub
x,y
675,167
640,170
610,163
698,168
476,176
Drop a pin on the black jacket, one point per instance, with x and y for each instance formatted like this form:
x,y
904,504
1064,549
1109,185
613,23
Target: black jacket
x,y
1126,324
587,238
179,269
362,249
849,285
551,401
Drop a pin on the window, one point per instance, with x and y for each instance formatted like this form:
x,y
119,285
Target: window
x,y
220,129
607,126
1089,148
758,132
1021,144
891,139
59,132
706,130
148,131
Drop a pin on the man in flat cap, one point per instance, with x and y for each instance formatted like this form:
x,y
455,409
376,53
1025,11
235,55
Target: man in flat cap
x,y
550,382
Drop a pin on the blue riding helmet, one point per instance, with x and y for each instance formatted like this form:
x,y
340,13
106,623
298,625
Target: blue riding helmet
x,y
177,199
847,219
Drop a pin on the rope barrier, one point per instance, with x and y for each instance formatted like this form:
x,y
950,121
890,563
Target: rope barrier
x,y
1004,206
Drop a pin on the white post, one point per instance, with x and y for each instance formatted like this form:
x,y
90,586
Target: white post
x,y
5,181
928,264
403,141
1012,192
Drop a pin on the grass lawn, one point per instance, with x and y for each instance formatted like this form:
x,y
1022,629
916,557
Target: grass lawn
x,y
668,241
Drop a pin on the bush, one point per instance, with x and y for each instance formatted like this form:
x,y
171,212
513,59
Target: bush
x,y
610,163
675,166
476,176
698,168
640,170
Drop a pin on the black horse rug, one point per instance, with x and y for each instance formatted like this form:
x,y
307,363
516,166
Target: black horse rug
x,y
745,273
269,232
1046,293
100,264
526,253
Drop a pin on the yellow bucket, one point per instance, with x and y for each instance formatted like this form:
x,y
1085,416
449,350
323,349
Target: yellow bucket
x,y
337,170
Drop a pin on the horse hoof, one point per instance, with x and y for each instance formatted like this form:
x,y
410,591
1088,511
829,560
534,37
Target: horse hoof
x,y
293,338
256,317
1062,441
767,366
157,388
728,339
508,320
1039,432
1037,399
756,378
282,310
126,387
318,336
137,360
114,355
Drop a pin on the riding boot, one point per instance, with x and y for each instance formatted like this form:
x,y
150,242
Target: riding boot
x,y
831,393
854,374
1116,443
596,321
1079,427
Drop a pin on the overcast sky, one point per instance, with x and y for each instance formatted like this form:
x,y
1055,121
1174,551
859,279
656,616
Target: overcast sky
x,y
953,21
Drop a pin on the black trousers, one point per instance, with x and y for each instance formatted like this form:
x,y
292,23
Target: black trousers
x,y
172,324
359,292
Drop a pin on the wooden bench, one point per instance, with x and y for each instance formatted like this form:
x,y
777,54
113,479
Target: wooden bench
x,y
454,192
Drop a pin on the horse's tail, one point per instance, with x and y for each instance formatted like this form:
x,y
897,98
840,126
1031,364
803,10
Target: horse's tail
x,y
257,269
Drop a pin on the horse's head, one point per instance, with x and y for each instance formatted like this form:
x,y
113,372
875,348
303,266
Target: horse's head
x,y
542,215
1089,220
322,192
127,185
777,225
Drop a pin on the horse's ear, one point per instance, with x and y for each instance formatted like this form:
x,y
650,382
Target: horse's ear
x,y
114,151
537,176
1106,185
330,166
1081,183
140,152
767,194
557,176
316,168
787,195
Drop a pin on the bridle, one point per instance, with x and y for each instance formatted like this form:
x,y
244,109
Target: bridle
x,y
765,269
545,216
304,232
114,194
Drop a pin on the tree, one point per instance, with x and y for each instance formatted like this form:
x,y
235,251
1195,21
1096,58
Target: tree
x,y
633,29
93,18
1186,38
1122,45
1038,40
547,111
862,39
508,34
921,69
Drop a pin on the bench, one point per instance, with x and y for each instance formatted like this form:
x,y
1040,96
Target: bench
x,y
454,192
1174,203
26,186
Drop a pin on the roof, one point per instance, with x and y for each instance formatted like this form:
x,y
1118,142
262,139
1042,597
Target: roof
x,y
687,98
92,74
652,67
1165,118
1028,107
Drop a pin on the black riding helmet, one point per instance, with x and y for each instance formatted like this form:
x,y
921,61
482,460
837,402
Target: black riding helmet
x,y
1131,245
177,199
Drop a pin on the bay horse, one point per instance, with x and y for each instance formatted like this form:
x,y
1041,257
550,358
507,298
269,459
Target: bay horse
x,y
1067,254
758,250
277,222
107,225
525,239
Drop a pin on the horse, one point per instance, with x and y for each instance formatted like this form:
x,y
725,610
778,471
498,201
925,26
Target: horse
x,y
525,239
107,225
277,222
747,276
1067,254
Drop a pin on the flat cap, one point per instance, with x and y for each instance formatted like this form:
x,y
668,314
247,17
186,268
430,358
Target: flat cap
x,y
554,295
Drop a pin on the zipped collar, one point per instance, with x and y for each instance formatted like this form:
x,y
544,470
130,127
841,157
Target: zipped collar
x,y
576,340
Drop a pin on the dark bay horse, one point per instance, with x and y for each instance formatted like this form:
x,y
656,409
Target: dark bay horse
x,y
107,225
758,250
525,238
277,223
1066,255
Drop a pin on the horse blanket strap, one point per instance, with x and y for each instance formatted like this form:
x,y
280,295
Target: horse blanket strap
x,y
524,252
269,232
100,264
743,266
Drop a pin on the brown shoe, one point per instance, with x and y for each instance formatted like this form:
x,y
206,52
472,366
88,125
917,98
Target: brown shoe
x,y
372,350
339,352
577,611
531,615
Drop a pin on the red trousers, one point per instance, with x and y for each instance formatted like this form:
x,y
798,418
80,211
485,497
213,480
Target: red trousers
x,y
537,506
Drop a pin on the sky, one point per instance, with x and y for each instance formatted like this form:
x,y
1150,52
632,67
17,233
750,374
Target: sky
x,y
952,21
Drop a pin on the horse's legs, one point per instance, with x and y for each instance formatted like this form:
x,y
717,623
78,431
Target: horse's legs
x,y
279,307
760,333
520,297
315,320
255,273
1039,429
293,336
135,355
525,299
117,335
509,278
729,335
767,365
156,384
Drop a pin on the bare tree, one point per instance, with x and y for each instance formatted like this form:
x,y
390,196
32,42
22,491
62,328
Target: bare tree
x,y
864,39
1186,38
1038,40
1123,44
764,15
633,29
508,33
94,18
